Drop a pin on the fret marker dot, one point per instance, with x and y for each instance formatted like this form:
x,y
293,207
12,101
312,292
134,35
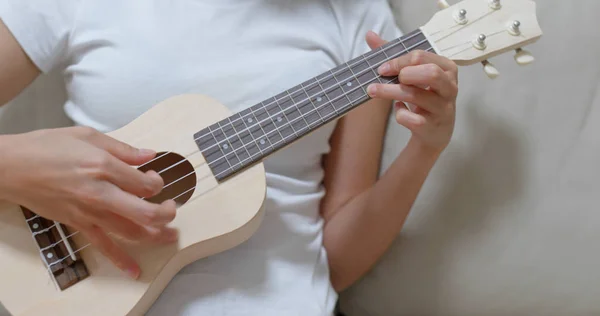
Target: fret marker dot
x,y
36,226
249,120
49,255
279,119
225,146
349,84
262,141
319,99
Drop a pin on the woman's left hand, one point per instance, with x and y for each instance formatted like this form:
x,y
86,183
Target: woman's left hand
x,y
429,83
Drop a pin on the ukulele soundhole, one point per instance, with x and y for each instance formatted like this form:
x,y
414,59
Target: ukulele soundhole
x,y
178,175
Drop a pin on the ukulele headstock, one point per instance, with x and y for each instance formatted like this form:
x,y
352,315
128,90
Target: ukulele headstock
x,y
473,31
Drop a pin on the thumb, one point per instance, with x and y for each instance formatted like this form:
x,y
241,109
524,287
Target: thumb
x,y
374,40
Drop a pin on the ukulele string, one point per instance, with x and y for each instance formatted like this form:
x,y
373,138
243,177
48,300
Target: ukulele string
x,y
88,244
271,116
244,146
339,84
325,91
182,177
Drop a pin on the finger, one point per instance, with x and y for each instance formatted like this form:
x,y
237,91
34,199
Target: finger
x,y
132,180
138,210
121,150
424,99
123,227
432,76
374,41
408,119
414,58
112,251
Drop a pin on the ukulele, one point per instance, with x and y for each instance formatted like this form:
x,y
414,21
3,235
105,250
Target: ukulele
x,y
211,164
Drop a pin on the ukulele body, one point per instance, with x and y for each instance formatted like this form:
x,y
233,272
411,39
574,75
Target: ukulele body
x,y
214,218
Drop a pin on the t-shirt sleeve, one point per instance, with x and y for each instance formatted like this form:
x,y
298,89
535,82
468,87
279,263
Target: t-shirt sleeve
x,y
357,17
42,28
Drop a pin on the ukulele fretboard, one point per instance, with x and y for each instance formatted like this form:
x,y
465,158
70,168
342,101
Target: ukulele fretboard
x,y
247,137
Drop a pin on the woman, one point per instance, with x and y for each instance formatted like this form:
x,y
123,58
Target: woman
x,y
328,216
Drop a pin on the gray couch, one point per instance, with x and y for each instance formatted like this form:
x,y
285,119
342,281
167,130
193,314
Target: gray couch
x,y
508,222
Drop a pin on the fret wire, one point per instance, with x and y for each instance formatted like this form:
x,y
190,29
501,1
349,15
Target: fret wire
x,y
344,93
356,78
374,52
241,141
283,111
267,140
362,86
369,69
272,120
311,99
372,70
298,109
220,147
249,132
404,46
331,102
325,94
376,78
230,146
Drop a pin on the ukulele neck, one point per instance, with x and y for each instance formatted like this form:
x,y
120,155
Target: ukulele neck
x,y
247,137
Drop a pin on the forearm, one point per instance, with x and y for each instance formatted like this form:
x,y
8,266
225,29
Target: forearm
x,y
3,165
363,228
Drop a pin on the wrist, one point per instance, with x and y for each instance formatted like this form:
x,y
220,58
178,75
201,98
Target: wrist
x,y
5,161
424,151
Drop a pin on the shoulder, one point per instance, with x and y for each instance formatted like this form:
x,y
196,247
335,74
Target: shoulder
x,y
42,27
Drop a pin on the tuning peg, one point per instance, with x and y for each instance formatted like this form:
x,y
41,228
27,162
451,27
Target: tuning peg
x,y
442,4
523,57
490,70
495,4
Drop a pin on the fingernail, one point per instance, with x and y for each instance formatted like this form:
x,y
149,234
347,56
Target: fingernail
x,y
132,273
384,68
371,90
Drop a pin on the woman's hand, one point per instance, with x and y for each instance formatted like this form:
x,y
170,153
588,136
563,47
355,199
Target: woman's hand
x,y
84,179
429,83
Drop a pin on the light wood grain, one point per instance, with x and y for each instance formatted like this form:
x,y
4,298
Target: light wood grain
x,y
455,41
217,218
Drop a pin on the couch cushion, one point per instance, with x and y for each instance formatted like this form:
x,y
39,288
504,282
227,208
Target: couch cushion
x,y
508,221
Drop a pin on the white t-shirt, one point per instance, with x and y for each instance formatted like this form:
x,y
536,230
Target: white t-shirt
x,y
119,58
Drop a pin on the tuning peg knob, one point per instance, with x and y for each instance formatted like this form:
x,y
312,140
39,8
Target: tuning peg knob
x,y
442,4
523,57
490,70
495,4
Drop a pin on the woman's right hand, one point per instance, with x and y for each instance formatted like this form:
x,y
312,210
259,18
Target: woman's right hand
x,y
85,180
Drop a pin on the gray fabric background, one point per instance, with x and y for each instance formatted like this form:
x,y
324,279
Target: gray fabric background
x,y
507,223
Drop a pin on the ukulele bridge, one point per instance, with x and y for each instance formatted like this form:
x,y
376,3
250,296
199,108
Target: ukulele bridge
x,y
56,250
